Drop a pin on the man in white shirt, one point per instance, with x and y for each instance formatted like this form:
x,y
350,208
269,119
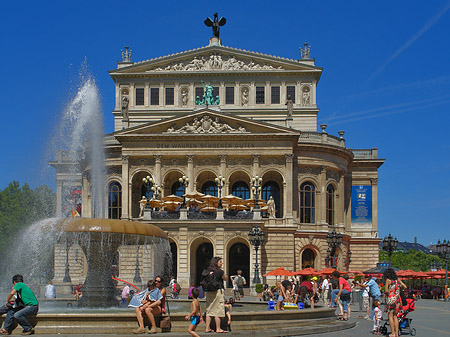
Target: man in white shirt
x,y
325,286
50,291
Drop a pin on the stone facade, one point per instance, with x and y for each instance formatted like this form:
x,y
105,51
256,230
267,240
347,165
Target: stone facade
x,y
160,132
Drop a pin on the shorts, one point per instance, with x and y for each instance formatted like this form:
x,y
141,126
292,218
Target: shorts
x,y
280,298
241,291
366,301
195,320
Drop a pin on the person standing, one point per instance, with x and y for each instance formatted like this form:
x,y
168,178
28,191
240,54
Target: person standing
x,y
342,292
50,291
125,294
213,278
393,301
240,282
31,308
196,313
325,292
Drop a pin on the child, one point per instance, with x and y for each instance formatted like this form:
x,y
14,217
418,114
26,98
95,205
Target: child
x,y
281,296
196,313
377,318
228,310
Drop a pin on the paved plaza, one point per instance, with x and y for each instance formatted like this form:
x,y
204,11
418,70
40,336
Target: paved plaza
x,y
431,318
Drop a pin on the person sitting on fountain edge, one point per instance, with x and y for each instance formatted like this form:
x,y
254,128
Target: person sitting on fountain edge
x,y
31,307
148,301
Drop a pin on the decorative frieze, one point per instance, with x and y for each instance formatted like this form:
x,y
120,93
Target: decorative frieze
x,y
239,161
207,125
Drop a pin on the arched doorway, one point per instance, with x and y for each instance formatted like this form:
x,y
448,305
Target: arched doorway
x,y
203,257
308,258
174,251
239,258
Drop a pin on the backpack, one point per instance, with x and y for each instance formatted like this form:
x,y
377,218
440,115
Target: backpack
x,y
240,281
209,282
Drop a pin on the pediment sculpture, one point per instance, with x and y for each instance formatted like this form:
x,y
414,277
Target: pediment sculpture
x,y
207,125
217,62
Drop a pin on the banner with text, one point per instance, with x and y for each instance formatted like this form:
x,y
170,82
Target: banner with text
x,y
362,204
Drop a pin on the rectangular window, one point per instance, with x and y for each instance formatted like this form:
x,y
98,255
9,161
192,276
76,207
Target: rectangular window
x,y
275,94
290,91
260,95
198,92
139,96
169,96
229,95
154,96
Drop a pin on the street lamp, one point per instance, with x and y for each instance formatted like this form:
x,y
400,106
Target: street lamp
x,y
334,240
148,183
220,181
390,245
184,182
137,273
443,250
256,237
66,278
349,259
256,189
156,190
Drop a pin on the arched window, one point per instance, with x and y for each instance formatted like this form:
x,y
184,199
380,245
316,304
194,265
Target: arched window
x,y
271,188
210,188
308,258
240,189
177,189
307,203
330,205
114,201
148,193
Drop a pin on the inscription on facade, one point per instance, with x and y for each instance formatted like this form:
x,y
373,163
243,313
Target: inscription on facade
x,y
204,145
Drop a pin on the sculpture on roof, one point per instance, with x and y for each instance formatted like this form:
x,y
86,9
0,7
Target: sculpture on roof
x,y
208,97
126,55
215,24
305,52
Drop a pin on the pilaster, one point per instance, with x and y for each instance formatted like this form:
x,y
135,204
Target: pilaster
x,y
374,183
158,178
322,209
190,170
289,160
126,186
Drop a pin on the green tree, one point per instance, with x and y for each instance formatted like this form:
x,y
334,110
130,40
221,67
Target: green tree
x,y
413,259
20,207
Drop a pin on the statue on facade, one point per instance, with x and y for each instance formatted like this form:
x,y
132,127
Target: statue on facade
x,y
215,24
184,96
244,96
208,97
271,208
142,204
124,108
290,107
306,100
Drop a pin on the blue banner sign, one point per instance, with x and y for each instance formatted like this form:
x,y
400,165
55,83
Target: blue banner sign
x,y
362,204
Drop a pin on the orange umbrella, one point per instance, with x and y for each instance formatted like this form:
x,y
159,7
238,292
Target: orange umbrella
x,y
328,271
279,272
306,272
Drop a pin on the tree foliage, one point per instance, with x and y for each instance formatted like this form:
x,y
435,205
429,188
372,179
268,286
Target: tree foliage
x,y
20,207
413,260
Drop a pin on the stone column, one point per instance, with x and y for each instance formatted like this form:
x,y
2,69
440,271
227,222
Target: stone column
x,y
158,177
339,209
85,204
126,185
183,258
322,209
190,172
374,182
289,158
59,198
223,172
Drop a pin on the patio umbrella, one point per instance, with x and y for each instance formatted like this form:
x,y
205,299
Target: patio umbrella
x,y
194,202
238,207
194,195
231,200
279,272
251,202
210,200
154,203
208,209
306,272
172,197
171,205
327,271
355,272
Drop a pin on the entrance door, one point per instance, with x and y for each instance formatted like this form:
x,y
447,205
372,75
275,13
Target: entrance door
x,y
203,259
239,258
308,258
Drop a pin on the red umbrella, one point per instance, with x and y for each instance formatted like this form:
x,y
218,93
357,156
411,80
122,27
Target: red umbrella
x,y
279,272
306,272
329,271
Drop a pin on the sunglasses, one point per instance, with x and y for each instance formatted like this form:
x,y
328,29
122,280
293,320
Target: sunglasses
x,y
156,281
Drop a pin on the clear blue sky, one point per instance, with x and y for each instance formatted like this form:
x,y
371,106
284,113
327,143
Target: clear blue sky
x,y
386,79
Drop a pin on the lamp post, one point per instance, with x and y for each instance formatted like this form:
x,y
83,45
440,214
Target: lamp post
x,y
137,272
256,189
434,266
390,245
66,278
184,182
443,250
349,259
148,182
156,190
220,181
256,237
334,240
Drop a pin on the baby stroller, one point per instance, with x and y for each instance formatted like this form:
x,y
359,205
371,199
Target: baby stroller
x,y
404,323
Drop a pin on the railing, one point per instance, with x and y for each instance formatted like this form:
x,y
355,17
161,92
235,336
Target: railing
x,y
239,215
365,153
320,138
193,215
165,215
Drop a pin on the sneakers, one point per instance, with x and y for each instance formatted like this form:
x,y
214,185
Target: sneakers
x,y
152,330
29,332
139,331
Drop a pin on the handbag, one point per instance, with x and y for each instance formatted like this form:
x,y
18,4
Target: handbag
x,y
166,324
